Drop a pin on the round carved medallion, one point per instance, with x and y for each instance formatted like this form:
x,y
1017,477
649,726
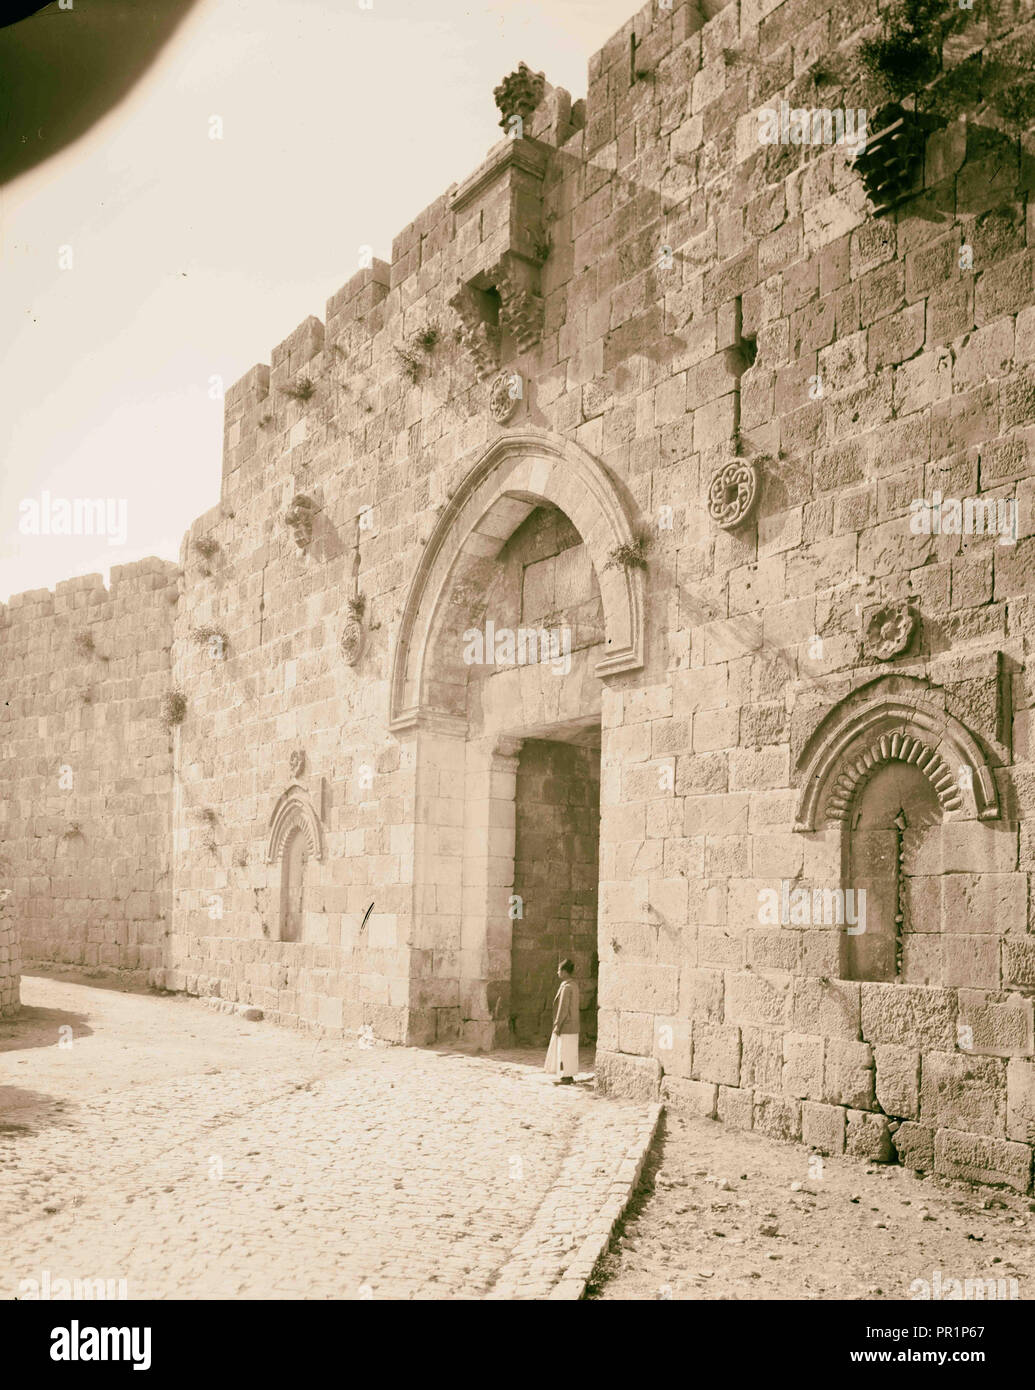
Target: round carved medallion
x,y
504,395
889,631
352,641
733,492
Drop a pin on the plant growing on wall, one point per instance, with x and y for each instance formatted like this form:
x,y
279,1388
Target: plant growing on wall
x,y
83,643
427,337
630,555
174,708
214,637
302,390
410,361
902,63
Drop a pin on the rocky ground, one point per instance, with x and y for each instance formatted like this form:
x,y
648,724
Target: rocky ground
x,y
732,1215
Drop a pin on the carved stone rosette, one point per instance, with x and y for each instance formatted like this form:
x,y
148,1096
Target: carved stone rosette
x,y
890,630
733,492
503,399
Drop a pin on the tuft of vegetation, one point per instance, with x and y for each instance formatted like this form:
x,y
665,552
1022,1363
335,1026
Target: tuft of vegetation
x,y
427,338
174,708
907,55
1016,105
410,361
542,244
357,606
267,419
83,643
214,636
206,547
630,555
302,390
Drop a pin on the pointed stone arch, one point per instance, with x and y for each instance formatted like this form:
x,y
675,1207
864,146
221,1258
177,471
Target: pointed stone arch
x,y
516,474
897,718
294,810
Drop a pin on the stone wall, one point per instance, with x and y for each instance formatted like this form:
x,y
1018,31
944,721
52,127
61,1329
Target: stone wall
x,y
10,960
86,766
736,382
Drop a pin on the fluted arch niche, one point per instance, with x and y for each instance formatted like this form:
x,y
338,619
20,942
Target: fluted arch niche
x,y
294,811
895,723
885,771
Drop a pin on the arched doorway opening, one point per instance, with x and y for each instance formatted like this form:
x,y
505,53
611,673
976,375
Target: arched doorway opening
x,y
515,619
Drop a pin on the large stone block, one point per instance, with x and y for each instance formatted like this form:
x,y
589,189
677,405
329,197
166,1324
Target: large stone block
x,y
826,1006
761,1058
910,1015
991,1026
848,1074
1020,1100
976,1158
695,1097
961,1092
897,1079
618,1074
757,999
735,1107
716,1053
823,1127
649,989
803,1066
867,1136
777,1116
915,1146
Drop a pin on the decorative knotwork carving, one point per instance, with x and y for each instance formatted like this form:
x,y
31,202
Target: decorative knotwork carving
x,y
890,630
299,516
891,748
519,94
733,492
504,396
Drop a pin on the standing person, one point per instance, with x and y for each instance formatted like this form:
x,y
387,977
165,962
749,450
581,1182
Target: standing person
x,y
563,1056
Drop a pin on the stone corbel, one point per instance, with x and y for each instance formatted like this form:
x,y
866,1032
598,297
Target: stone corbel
x,y
479,336
521,304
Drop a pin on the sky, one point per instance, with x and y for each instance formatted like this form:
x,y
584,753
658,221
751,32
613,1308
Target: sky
x,y
148,258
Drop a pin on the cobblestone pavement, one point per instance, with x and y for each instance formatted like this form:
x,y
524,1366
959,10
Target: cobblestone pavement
x,y
197,1155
